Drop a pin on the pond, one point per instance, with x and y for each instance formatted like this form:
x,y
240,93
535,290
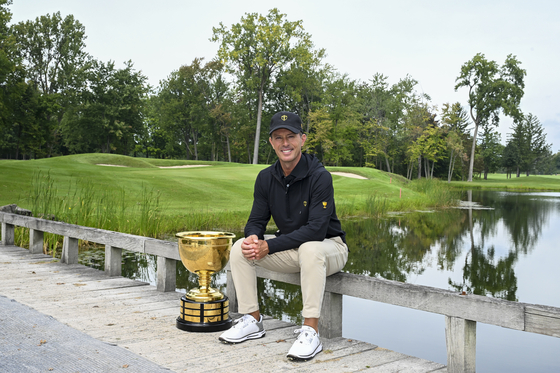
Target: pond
x,y
498,244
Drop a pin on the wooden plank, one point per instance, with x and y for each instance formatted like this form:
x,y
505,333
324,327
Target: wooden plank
x,y
35,241
166,274
354,358
255,356
113,260
273,341
542,320
69,250
166,249
377,360
8,234
471,307
460,338
408,364
122,240
138,317
330,322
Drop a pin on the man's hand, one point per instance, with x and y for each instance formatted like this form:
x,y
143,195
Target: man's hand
x,y
253,248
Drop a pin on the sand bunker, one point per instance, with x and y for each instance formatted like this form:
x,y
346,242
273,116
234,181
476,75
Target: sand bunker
x,y
188,166
185,166
348,174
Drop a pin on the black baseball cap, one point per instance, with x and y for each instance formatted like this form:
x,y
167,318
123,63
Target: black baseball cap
x,y
287,120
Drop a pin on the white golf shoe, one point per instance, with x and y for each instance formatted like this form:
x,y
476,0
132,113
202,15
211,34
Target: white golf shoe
x,y
244,328
306,346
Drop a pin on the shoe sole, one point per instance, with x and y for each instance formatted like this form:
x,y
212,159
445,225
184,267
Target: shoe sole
x,y
305,358
246,338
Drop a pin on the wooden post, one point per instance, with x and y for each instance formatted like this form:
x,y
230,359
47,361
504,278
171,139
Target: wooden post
x,y
35,241
330,322
69,250
460,338
113,260
8,236
231,293
166,274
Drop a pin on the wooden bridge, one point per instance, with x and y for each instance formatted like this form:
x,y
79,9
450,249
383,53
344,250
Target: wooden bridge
x,y
141,318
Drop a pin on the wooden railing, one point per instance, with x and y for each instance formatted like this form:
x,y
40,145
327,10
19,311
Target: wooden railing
x,y
462,312
167,252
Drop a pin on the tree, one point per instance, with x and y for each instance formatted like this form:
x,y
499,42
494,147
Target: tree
x,y
9,58
257,49
417,122
556,162
539,149
528,142
375,100
509,160
387,107
430,146
53,51
184,103
110,111
491,151
300,88
492,90
152,140
17,99
25,135
219,97
320,137
454,120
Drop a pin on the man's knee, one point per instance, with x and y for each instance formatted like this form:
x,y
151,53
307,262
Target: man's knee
x,y
311,252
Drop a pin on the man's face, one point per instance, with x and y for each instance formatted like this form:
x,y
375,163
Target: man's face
x,y
287,145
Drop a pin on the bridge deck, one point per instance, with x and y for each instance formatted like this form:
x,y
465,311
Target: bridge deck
x,y
135,316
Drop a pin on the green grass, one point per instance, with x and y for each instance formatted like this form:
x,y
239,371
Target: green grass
x,y
144,199
220,187
499,181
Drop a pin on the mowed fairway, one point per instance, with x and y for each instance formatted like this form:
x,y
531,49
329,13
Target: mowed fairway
x,y
218,186
523,182
210,189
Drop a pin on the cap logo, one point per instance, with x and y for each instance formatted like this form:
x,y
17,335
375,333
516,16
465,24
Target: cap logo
x,y
284,117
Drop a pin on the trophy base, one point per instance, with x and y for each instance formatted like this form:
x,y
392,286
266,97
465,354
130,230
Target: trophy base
x,y
204,317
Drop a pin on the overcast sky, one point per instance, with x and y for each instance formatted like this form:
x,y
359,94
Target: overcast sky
x,y
429,40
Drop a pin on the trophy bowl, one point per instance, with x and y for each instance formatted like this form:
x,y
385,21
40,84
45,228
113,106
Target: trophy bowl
x,y
204,309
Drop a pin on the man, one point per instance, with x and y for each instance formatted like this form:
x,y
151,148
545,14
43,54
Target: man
x,y
298,193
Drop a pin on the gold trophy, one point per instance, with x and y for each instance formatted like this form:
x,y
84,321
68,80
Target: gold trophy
x,y
204,309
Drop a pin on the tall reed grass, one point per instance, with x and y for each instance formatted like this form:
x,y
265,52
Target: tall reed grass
x,y
428,193
82,204
434,192
79,203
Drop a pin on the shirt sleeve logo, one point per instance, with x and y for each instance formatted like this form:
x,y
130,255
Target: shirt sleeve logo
x,y
324,205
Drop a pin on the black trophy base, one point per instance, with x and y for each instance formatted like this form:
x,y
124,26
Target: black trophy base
x,y
204,316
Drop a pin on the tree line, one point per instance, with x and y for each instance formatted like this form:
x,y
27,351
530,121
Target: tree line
x,y
56,99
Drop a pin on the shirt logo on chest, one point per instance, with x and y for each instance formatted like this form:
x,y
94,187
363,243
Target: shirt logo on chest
x,y
324,205
305,203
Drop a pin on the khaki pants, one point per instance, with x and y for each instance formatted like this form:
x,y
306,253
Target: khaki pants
x,y
314,260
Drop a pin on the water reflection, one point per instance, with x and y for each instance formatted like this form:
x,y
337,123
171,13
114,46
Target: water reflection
x,y
397,248
477,247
